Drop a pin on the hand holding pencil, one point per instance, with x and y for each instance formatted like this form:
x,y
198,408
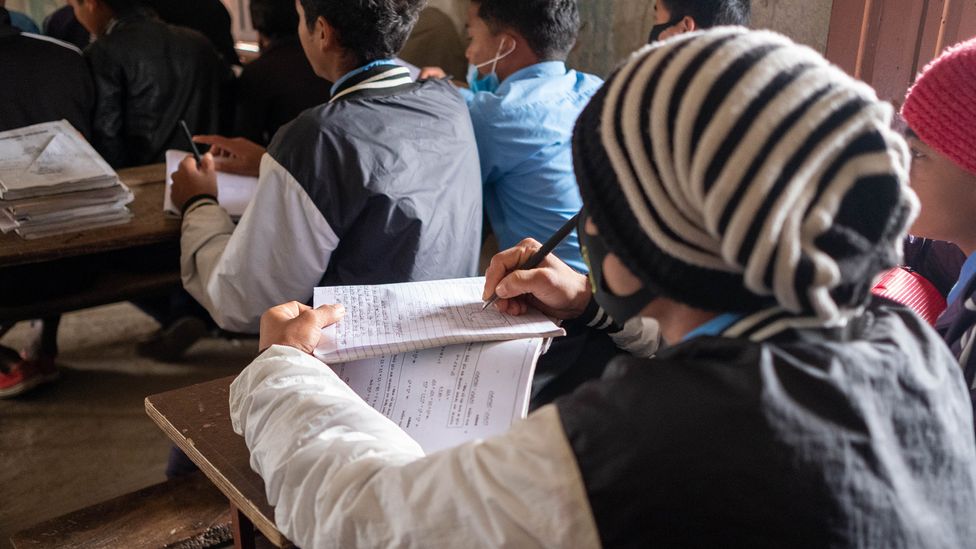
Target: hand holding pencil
x,y
529,275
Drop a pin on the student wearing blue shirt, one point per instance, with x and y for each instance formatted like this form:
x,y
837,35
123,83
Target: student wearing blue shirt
x,y
524,103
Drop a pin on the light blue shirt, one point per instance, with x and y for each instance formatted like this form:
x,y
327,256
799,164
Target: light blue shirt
x,y
967,273
524,132
714,326
23,22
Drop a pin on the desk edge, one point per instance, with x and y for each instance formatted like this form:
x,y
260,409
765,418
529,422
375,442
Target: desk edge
x,y
268,528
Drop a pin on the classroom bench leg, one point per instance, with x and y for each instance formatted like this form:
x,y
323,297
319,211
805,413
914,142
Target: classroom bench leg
x,y
242,528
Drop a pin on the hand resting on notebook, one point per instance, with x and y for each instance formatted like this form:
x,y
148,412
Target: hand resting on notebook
x,y
297,325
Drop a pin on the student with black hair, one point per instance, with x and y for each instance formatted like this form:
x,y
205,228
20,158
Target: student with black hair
x,y
673,17
148,76
524,102
790,409
208,17
277,86
380,184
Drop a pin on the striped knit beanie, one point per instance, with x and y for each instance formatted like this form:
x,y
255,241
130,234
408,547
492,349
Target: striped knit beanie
x,y
733,170
941,106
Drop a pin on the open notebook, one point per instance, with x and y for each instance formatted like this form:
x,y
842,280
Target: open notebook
x,y
399,318
234,192
446,396
430,359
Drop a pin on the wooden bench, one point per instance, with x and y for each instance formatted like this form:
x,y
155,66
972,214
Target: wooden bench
x,y
184,513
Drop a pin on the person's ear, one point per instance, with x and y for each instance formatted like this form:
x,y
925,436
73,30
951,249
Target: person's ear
x,y
688,24
324,35
506,44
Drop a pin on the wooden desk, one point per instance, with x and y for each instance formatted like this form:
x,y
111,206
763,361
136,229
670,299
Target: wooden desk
x,y
197,419
150,233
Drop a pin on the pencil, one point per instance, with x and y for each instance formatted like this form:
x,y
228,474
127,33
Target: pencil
x,y
193,146
545,250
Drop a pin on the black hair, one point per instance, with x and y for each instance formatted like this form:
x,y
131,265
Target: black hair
x,y
711,13
274,18
549,26
122,6
368,29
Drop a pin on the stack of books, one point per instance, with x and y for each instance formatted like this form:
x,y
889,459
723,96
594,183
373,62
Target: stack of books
x,y
53,182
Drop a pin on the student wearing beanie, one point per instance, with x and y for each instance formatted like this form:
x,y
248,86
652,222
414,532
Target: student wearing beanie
x,y
940,110
744,193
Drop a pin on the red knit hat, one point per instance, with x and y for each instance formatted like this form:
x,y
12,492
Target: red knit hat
x,y
941,106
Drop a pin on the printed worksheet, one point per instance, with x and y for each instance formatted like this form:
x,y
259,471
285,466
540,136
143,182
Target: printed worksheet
x,y
49,155
399,318
445,396
234,192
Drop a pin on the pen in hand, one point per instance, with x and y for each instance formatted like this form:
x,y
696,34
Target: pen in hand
x,y
541,254
193,146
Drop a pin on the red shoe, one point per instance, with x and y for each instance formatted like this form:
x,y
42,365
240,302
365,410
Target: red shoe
x,y
23,374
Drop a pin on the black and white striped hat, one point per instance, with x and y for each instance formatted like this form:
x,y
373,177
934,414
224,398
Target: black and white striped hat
x,y
733,170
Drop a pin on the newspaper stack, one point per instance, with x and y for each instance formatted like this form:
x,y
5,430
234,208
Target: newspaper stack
x,y
53,182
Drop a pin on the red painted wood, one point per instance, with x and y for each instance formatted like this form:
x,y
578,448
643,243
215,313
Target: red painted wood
x,y
886,42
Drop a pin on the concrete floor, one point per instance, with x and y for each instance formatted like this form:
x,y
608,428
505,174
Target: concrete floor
x,y
87,438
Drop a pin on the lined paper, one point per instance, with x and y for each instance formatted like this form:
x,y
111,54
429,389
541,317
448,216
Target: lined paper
x,y
399,318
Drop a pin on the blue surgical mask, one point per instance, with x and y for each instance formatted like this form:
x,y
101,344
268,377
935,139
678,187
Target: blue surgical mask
x,y
478,83
488,83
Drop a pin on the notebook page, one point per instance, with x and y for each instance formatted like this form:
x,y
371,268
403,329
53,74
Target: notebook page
x,y
234,192
445,396
398,318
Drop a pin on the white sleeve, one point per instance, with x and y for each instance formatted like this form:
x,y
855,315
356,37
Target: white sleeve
x,y
342,475
278,252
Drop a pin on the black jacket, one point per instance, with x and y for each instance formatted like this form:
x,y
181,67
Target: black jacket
x,y
42,80
149,75
275,88
778,434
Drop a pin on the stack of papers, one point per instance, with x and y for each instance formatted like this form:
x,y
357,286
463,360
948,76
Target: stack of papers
x,y
53,182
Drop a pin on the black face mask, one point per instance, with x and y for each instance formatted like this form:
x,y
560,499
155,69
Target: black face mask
x,y
656,30
621,309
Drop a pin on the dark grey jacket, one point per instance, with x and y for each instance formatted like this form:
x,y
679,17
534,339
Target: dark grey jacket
x,y
380,185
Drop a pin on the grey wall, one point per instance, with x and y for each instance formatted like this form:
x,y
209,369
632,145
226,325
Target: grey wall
x,y
805,21
614,28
